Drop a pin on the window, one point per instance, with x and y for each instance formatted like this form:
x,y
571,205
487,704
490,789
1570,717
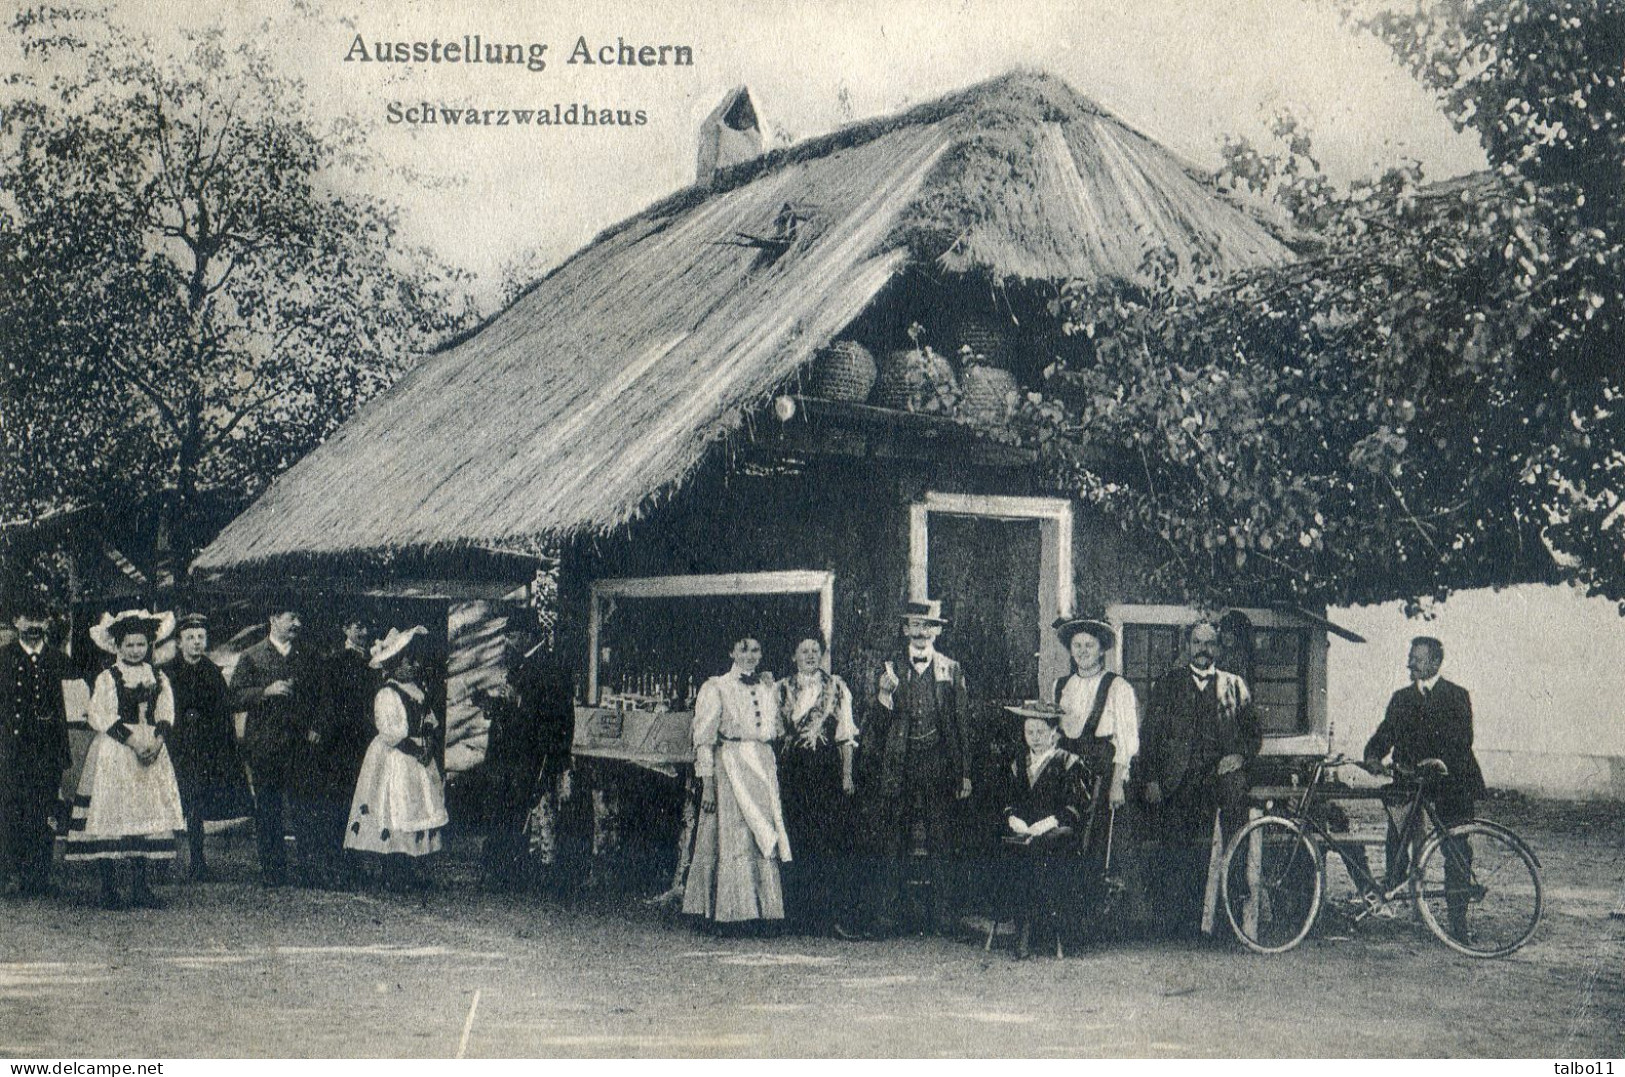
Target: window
x,y
1282,658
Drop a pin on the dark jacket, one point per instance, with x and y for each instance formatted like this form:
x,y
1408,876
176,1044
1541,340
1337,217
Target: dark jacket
x,y
883,738
546,692
1187,730
1059,791
1436,726
203,744
275,723
33,719
342,722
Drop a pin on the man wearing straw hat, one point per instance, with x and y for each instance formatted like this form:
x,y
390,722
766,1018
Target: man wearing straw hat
x,y
33,749
1201,732
913,766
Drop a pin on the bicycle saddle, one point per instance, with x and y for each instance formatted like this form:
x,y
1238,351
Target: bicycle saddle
x,y
1432,769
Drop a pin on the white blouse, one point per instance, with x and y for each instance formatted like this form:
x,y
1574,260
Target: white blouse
x,y
103,709
728,709
389,713
1120,721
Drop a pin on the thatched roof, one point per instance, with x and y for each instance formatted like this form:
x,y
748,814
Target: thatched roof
x,y
604,384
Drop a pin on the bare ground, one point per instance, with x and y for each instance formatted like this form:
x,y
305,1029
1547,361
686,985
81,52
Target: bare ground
x,y
232,970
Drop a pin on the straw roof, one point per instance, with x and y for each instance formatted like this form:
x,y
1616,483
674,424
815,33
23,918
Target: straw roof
x,y
604,384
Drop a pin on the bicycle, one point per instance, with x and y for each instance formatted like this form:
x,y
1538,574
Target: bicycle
x,y
1476,885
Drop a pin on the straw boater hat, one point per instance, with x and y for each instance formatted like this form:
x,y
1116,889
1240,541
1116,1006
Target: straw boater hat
x,y
929,611
1036,708
393,644
113,627
1068,627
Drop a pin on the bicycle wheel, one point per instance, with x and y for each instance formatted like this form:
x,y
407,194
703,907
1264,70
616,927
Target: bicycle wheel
x,y
1478,889
1272,884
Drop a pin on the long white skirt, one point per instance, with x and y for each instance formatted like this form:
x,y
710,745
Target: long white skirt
x,y
123,809
731,877
399,804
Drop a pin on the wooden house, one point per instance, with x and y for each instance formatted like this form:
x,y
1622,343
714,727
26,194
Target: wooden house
x,y
681,411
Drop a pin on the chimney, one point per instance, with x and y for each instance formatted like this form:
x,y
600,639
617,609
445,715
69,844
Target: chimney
x,y
732,133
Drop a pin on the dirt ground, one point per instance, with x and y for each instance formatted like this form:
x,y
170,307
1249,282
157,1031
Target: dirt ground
x,y
232,970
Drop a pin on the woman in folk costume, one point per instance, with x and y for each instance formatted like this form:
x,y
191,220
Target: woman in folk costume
x,y
741,839
815,780
1046,800
128,806
400,801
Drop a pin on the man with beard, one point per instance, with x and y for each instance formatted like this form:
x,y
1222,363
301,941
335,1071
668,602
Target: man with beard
x,y
1201,732
33,750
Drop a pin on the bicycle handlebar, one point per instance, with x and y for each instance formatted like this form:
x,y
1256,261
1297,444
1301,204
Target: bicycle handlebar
x,y
1429,769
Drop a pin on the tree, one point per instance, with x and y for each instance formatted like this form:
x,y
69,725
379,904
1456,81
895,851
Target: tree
x,y
1429,398
191,294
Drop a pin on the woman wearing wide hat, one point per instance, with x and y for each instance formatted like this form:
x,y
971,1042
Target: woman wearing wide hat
x,y
399,806
1044,817
128,805
1100,723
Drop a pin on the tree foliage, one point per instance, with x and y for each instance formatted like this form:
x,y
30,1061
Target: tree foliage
x,y
1429,398
191,293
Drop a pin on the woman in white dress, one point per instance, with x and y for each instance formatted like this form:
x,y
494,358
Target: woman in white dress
x,y
128,805
741,838
400,800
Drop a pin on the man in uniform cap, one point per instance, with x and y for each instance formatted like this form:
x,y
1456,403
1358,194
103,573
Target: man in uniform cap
x,y
329,755
203,744
33,749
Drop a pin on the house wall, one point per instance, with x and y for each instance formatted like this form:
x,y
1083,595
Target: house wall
x,y
841,515
1543,665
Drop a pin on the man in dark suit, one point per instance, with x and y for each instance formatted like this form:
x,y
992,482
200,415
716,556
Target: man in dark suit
x,y
912,766
33,750
1431,719
272,685
327,759
1201,733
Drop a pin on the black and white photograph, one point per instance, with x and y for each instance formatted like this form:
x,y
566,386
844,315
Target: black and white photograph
x,y
924,529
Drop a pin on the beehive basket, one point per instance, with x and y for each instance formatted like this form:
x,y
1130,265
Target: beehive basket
x,y
844,370
987,394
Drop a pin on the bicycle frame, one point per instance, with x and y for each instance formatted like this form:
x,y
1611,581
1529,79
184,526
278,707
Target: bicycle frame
x,y
1274,878
1421,822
